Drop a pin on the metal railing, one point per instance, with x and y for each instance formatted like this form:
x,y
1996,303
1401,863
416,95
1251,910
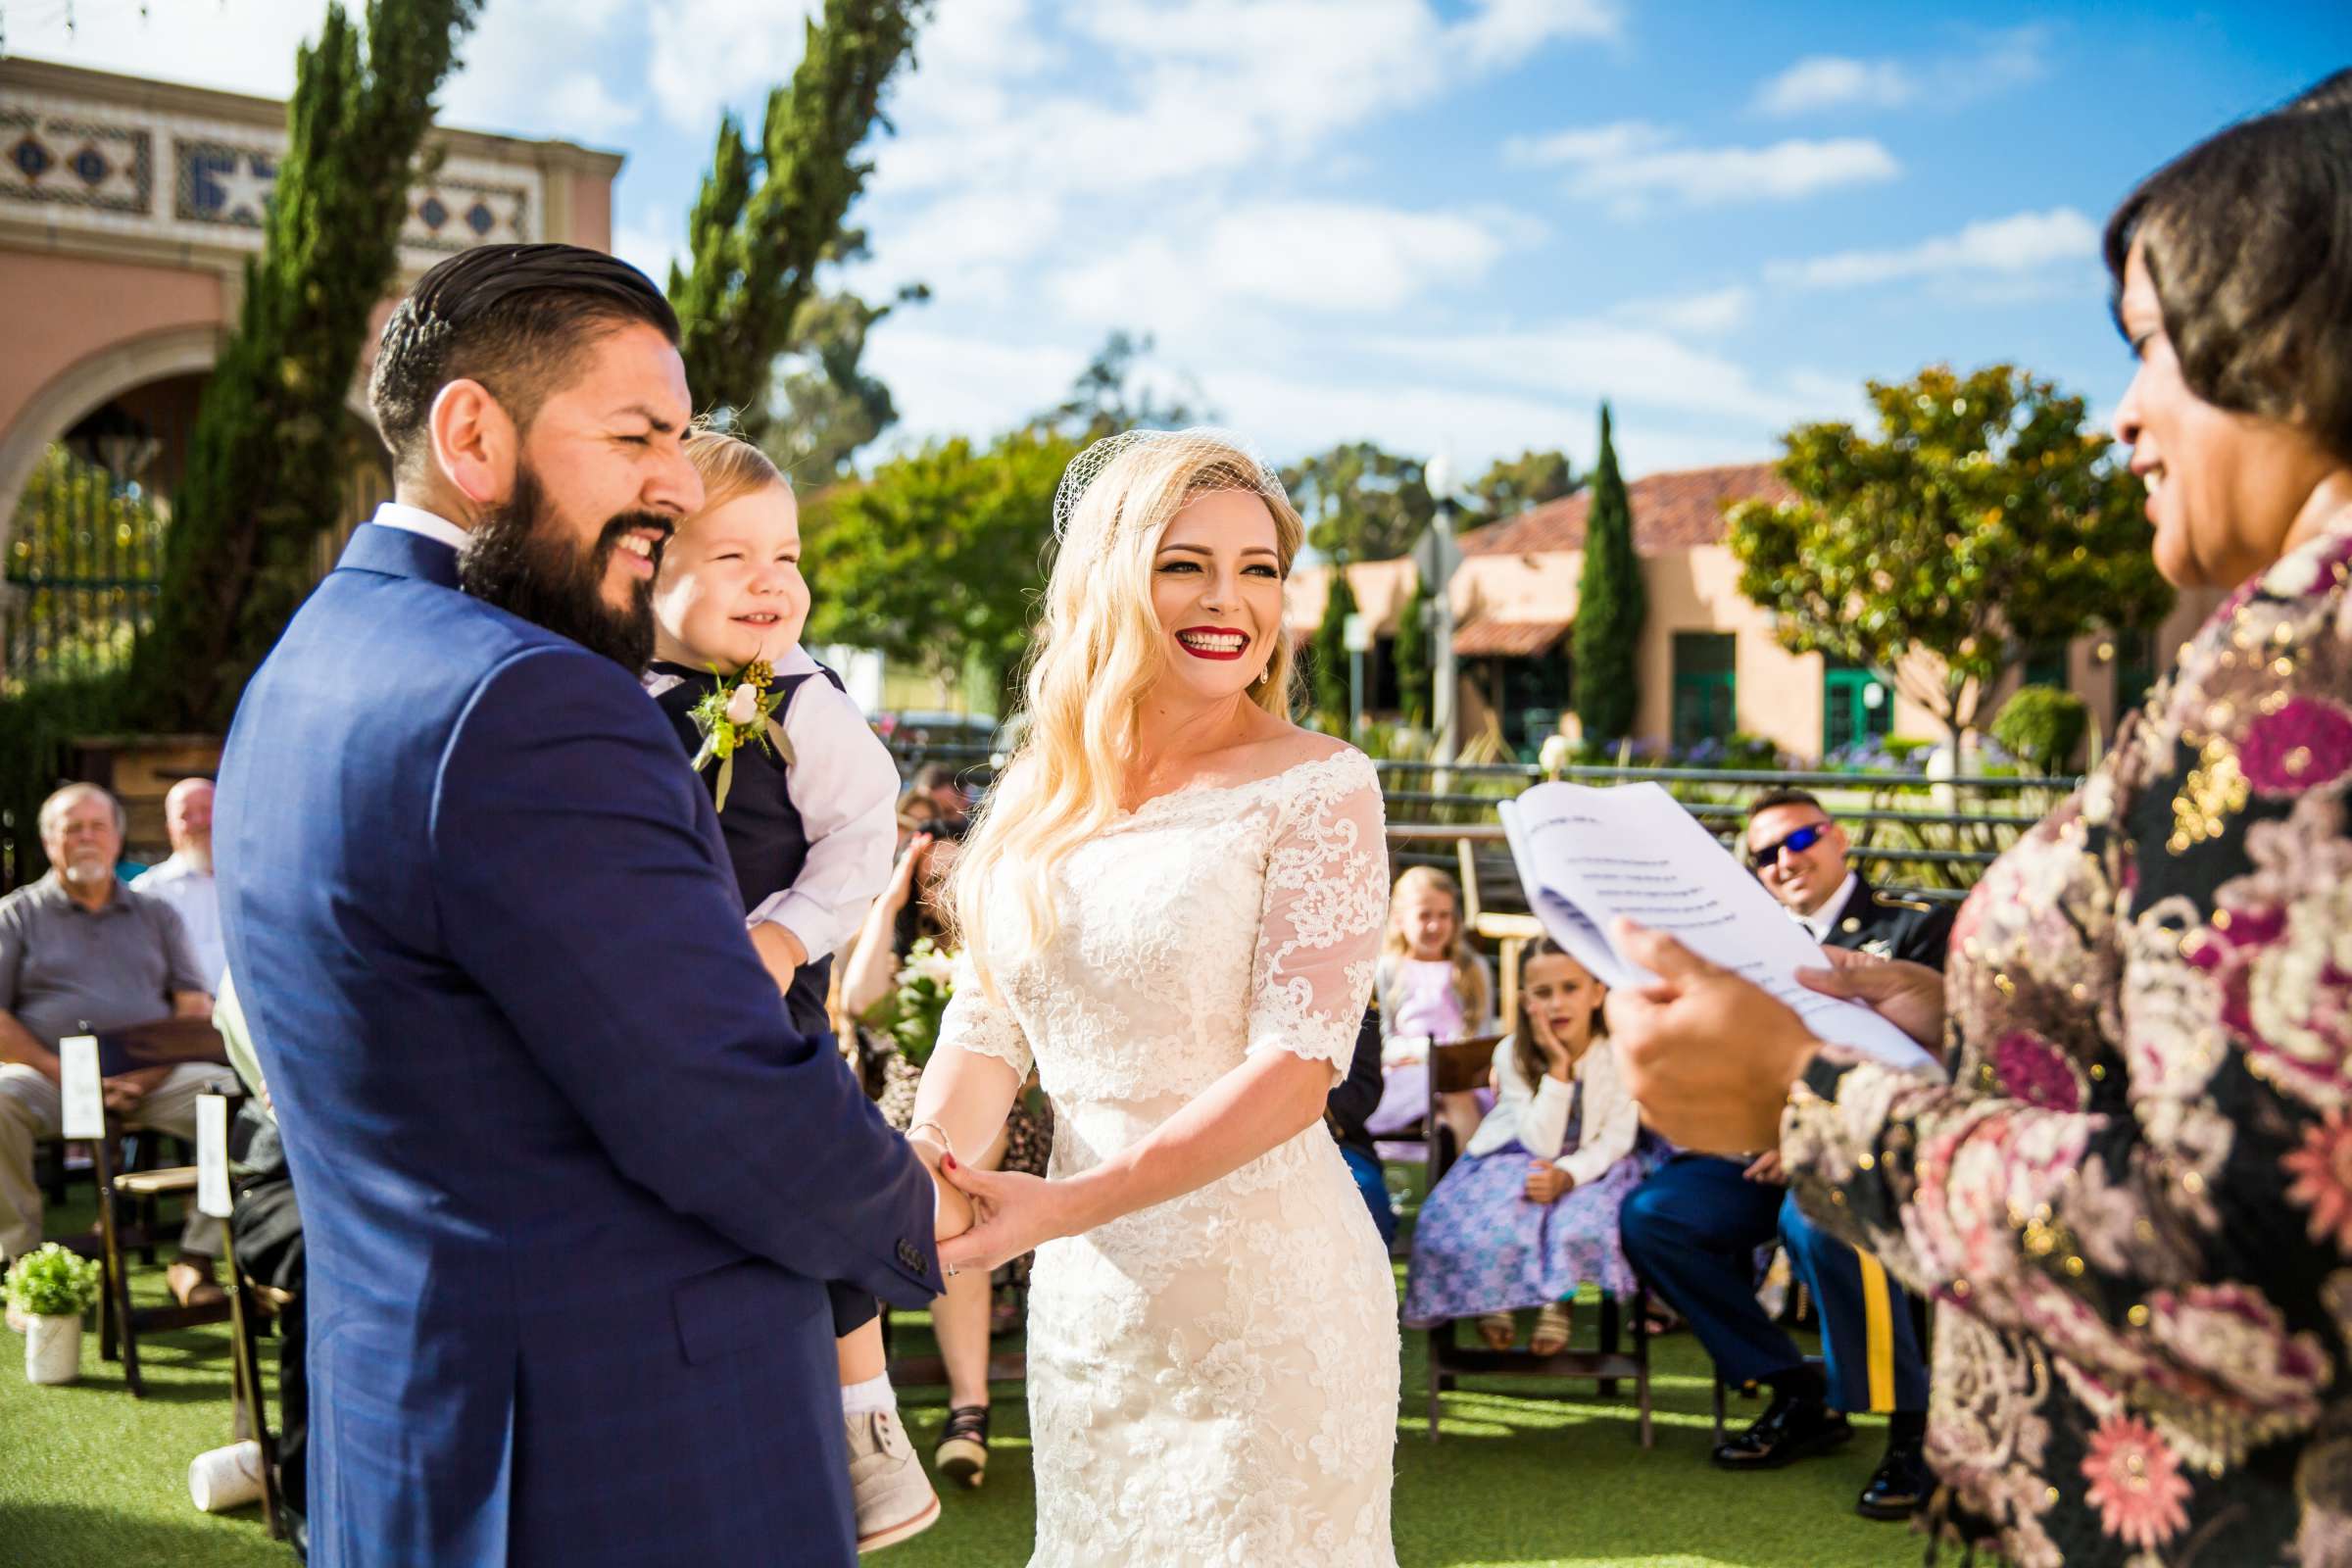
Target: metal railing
x,y
1914,836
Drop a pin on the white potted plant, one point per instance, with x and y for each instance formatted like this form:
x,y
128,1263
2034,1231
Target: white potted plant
x,y
51,1288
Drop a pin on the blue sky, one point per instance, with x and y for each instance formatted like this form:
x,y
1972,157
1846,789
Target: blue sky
x,y
1435,223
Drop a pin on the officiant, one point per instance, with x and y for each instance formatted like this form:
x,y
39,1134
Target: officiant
x,y
2131,1203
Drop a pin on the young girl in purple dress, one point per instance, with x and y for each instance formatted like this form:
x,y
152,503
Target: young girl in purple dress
x,y
1530,1211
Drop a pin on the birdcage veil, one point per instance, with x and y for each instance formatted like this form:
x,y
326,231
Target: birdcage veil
x,y
1225,456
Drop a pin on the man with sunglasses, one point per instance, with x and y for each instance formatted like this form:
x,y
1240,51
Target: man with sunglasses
x,y
1800,855
1692,1229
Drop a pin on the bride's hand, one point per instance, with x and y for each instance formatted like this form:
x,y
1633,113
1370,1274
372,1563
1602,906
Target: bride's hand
x,y
951,1213
1016,1215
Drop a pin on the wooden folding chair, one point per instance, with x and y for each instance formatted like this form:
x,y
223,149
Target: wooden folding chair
x,y
167,1042
250,1303
1454,1068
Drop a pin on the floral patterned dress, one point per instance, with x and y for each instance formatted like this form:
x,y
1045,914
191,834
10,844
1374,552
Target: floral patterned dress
x,y
2134,1206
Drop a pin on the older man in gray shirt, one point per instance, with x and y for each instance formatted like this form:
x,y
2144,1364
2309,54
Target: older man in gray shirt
x,y
82,953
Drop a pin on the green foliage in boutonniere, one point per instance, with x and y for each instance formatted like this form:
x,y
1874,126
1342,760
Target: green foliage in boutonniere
x,y
738,713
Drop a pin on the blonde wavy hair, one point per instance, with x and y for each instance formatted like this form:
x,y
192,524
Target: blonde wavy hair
x,y
1094,653
1469,976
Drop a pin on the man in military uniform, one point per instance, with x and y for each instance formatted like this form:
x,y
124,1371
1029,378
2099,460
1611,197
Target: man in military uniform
x,y
1693,1228
1801,857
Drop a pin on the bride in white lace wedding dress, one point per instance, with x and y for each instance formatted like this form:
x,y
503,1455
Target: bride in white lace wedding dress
x,y
1185,955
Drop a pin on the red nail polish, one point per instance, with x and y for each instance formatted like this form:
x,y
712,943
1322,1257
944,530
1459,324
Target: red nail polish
x,y
949,1160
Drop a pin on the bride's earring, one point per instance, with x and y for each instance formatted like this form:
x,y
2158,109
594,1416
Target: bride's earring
x,y
1264,675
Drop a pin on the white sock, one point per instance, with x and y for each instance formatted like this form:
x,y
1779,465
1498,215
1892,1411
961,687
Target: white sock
x,y
873,1396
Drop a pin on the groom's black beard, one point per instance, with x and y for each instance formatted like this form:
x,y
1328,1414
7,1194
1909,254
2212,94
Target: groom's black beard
x,y
520,560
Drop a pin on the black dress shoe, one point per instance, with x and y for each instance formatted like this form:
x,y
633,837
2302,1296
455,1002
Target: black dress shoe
x,y
1899,1485
1791,1428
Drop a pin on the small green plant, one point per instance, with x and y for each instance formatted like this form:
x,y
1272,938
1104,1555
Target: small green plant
x,y
53,1282
2043,726
925,983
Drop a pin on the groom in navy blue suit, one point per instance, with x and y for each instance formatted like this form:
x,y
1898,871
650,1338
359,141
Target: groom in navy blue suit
x,y
569,1180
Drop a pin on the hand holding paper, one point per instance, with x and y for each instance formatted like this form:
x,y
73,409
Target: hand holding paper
x,y
1590,856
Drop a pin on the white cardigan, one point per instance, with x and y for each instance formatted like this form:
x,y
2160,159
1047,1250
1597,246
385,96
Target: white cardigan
x,y
1536,1114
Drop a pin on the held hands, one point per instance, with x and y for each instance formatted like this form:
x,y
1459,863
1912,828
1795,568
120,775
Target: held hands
x,y
1709,1056
1016,1215
1547,1183
951,1211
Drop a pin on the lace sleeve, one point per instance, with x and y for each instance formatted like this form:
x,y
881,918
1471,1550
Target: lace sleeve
x,y
1319,933
981,1025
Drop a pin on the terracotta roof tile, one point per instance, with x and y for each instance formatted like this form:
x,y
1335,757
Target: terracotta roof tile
x,y
1508,639
1678,511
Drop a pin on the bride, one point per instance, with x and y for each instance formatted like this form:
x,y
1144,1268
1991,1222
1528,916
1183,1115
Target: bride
x,y
1172,905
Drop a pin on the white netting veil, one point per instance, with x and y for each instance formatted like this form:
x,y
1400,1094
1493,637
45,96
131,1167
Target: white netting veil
x,y
1216,459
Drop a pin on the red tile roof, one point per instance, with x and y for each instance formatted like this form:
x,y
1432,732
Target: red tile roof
x,y
1671,512
1508,639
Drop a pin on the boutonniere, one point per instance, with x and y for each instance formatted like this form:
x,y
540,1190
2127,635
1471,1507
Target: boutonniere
x,y
738,713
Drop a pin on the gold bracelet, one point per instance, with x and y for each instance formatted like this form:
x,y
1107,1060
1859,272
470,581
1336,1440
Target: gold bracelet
x,y
947,1147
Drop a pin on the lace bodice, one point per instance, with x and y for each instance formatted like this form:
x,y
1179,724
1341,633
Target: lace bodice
x,y
1209,922
1211,1379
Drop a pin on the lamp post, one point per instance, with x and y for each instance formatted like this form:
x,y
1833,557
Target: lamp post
x,y
1434,558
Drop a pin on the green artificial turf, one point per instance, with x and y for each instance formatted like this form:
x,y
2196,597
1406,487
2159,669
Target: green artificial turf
x,y
90,1476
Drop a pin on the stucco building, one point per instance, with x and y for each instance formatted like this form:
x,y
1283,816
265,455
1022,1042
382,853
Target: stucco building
x,y
1709,663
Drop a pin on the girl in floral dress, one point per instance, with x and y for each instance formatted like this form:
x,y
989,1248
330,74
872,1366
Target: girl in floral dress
x,y
2134,1204
1529,1213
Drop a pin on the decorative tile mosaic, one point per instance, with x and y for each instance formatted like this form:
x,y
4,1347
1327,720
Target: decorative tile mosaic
x,y
220,182
455,215
62,160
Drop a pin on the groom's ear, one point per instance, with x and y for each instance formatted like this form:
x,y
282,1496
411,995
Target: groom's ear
x,y
475,445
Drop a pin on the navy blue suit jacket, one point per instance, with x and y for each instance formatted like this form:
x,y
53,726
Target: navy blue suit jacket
x,y
569,1180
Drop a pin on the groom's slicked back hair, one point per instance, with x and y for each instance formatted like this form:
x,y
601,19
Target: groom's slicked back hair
x,y
517,319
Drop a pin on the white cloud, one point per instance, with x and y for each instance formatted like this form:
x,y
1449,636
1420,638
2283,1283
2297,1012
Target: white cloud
x,y
946,384
1303,256
707,53
1630,163
651,245
578,106
1833,81
1596,359
238,45
2013,247
1715,310
1504,32
1821,83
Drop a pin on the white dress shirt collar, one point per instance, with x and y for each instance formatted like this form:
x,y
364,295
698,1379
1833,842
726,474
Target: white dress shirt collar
x,y
1823,920
416,520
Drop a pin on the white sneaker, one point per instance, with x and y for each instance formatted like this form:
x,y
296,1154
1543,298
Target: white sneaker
x,y
894,1497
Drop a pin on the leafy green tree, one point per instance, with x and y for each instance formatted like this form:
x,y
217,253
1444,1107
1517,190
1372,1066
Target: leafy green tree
x,y
935,560
1984,517
1329,652
831,407
272,444
1359,501
2042,725
764,220
1512,485
1416,665
1112,394
1610,607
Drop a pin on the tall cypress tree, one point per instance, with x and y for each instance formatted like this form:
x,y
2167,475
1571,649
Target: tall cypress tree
x,y
1330,672
272,444
762,223
1416,675
1610,605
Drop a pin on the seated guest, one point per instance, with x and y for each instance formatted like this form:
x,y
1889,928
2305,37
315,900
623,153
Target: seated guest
x,y
1429,984
1693,1228
937,783
1346,1112
185,880
1529,1213
1800,855
82,953
267,1224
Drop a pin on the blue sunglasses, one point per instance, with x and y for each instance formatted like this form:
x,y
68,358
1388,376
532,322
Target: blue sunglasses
x,y
1796,843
